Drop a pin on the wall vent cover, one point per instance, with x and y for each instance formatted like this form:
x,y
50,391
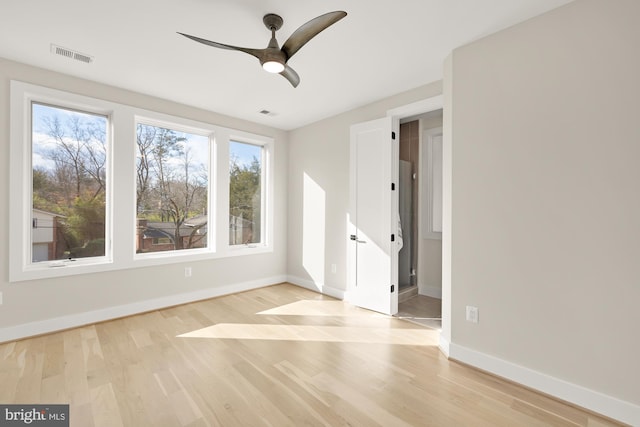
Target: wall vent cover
x,y
72,54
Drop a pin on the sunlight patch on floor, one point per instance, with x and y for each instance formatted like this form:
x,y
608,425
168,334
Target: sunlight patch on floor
x,y
321,308
316,333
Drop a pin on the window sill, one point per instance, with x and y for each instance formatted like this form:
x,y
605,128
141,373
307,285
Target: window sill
x,y
51,269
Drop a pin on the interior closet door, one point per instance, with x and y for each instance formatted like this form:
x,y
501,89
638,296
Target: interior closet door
x,y
373,244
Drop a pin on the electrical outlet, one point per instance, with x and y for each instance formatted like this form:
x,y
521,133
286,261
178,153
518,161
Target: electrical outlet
x,y
187,272
334,268
472,314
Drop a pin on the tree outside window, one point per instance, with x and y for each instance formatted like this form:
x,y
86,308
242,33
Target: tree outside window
x,y
172,180
245,193
69,158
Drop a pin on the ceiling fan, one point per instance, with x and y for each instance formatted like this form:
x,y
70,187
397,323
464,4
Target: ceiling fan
x,y
273,58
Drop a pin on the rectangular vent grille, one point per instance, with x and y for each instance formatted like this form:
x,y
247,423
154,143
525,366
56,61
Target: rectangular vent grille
x,y
72,54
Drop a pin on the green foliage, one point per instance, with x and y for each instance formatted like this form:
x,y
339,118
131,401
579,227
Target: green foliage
x,y
92,248
87,219
44,192
244,189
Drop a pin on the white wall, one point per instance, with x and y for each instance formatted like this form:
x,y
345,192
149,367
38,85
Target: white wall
x,y
34,306
546,197
319,193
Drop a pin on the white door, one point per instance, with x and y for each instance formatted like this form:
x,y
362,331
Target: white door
x,y
373,245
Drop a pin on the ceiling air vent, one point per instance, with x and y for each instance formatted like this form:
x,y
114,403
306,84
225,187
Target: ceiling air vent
x,y
72,54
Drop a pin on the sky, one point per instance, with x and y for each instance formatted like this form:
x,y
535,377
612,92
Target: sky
x,y
245,152
199,144
41,141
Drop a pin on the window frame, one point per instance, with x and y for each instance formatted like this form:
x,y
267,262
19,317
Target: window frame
x,y
120,233
182,125
23,96
266,196
265,153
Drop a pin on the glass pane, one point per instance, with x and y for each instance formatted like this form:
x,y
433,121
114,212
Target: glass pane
x,y
68,183
245,194
172,180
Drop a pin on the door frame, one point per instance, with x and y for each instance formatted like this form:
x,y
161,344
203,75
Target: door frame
x,y
414,109
397,114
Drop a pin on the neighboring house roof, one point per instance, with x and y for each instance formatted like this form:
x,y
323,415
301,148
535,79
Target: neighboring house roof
x,y
167,229
197,221
40,211
155,233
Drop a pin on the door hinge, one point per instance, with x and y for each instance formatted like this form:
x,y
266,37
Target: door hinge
x,y
393,288
393,186
393,135
393,237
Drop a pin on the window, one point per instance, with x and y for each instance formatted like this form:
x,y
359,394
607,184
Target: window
x,y
432,184
68,183
172,184
99,186
245,193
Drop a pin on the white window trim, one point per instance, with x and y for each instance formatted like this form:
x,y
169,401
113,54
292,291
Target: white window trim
x,y
266,189
22,97
121,215
188,126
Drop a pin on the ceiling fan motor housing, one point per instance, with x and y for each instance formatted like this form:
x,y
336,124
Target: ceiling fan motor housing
x,y
272,21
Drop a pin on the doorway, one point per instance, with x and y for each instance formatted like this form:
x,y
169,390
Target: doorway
x,y
420,212
376,143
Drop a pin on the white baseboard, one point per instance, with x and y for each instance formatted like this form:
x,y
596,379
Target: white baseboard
x,y
443,345
592,400
12,333
430,291
318,287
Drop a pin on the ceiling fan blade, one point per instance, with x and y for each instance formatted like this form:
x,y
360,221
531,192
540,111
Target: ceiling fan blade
x,y
309,30
290,74
254,52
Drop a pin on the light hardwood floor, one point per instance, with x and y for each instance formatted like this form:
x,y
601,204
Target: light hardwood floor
x,y
277,356
423,310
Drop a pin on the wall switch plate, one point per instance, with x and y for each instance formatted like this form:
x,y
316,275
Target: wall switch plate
x,y
472,314
187,272
0,298
334,268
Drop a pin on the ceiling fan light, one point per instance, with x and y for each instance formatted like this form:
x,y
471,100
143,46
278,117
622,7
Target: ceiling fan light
x,y
273,66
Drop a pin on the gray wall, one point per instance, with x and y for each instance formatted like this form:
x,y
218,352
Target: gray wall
x,y
546,195
42,300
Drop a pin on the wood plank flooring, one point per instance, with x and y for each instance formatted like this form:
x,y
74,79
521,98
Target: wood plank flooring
x,y
421,309
277,356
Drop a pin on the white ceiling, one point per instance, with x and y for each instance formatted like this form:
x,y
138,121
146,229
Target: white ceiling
x,y
381,48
